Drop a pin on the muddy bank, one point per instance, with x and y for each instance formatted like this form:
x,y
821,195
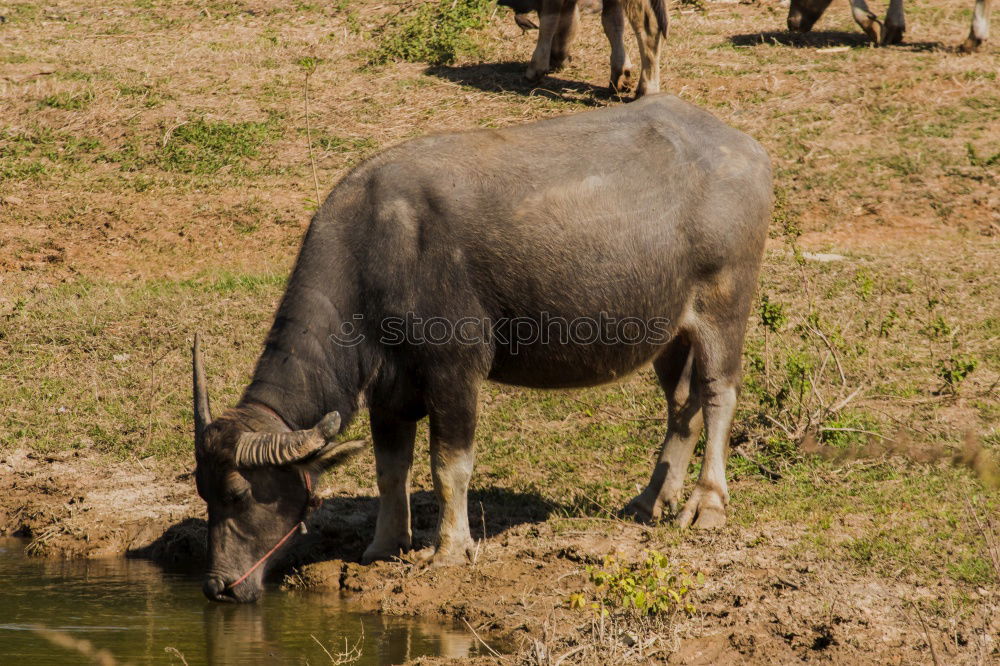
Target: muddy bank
x,y
757,605
69,505
760,603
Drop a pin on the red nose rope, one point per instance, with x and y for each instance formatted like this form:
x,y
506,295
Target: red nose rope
x,y
311,503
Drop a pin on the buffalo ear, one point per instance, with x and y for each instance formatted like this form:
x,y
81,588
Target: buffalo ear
x,y
335,454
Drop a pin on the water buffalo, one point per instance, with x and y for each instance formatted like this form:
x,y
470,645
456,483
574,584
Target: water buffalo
x,y
802,14
559,19
494,254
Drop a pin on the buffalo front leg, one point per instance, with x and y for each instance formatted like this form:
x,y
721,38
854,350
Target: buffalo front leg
x,y
895,23
393,439
648,31
549,13
613,20
676,372
980,26
569,22
452,428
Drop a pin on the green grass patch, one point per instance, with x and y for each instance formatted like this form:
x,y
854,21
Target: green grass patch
x,y
68,101
203,147
32,153
436,33
105,367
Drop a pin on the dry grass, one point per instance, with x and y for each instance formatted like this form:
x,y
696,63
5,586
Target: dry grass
x,y
172,145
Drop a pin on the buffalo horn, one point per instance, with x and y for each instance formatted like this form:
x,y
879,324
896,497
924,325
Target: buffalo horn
x,y
202,412
262,449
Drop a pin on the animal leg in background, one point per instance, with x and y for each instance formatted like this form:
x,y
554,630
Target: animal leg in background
x,y
549,15
613,20
866,19
649,22
803,14
569,21
895,23
980,26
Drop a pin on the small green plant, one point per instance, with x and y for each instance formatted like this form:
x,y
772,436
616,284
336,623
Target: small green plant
x,y
650,587
437,33
772,315
888,322
938,328
309,64
865,285
955,369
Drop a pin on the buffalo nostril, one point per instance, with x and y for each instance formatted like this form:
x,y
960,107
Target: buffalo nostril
x,y
215,589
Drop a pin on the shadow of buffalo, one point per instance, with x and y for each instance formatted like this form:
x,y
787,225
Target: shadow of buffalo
x,y
821,39
342,526
508,77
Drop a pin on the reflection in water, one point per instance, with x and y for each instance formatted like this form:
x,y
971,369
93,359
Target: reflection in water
x,y
136,610
242,634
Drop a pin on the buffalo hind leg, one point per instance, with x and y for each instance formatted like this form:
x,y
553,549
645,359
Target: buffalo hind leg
x,y
895,23
452,428
393,439
717,343
675,368
980,27
613,20
569,21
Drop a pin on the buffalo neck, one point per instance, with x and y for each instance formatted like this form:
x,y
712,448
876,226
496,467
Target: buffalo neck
x,y
306,370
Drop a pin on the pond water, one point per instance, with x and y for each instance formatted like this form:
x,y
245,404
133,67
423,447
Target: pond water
x,y
143,614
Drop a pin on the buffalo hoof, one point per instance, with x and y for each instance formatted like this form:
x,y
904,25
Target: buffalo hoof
x,y
380,552
893,34
433,557
533,75
642,509
970,45
621,82
559,61
704,510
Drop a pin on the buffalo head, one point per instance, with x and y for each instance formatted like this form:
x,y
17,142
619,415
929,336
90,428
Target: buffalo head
x,y
257,483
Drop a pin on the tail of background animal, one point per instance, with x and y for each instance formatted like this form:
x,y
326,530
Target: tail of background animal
x,y
660,10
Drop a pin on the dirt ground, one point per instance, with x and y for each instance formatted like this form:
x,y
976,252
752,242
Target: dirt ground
x,y
159,162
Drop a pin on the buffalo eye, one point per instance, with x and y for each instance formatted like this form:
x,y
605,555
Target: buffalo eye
x,y
237,489
237,496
